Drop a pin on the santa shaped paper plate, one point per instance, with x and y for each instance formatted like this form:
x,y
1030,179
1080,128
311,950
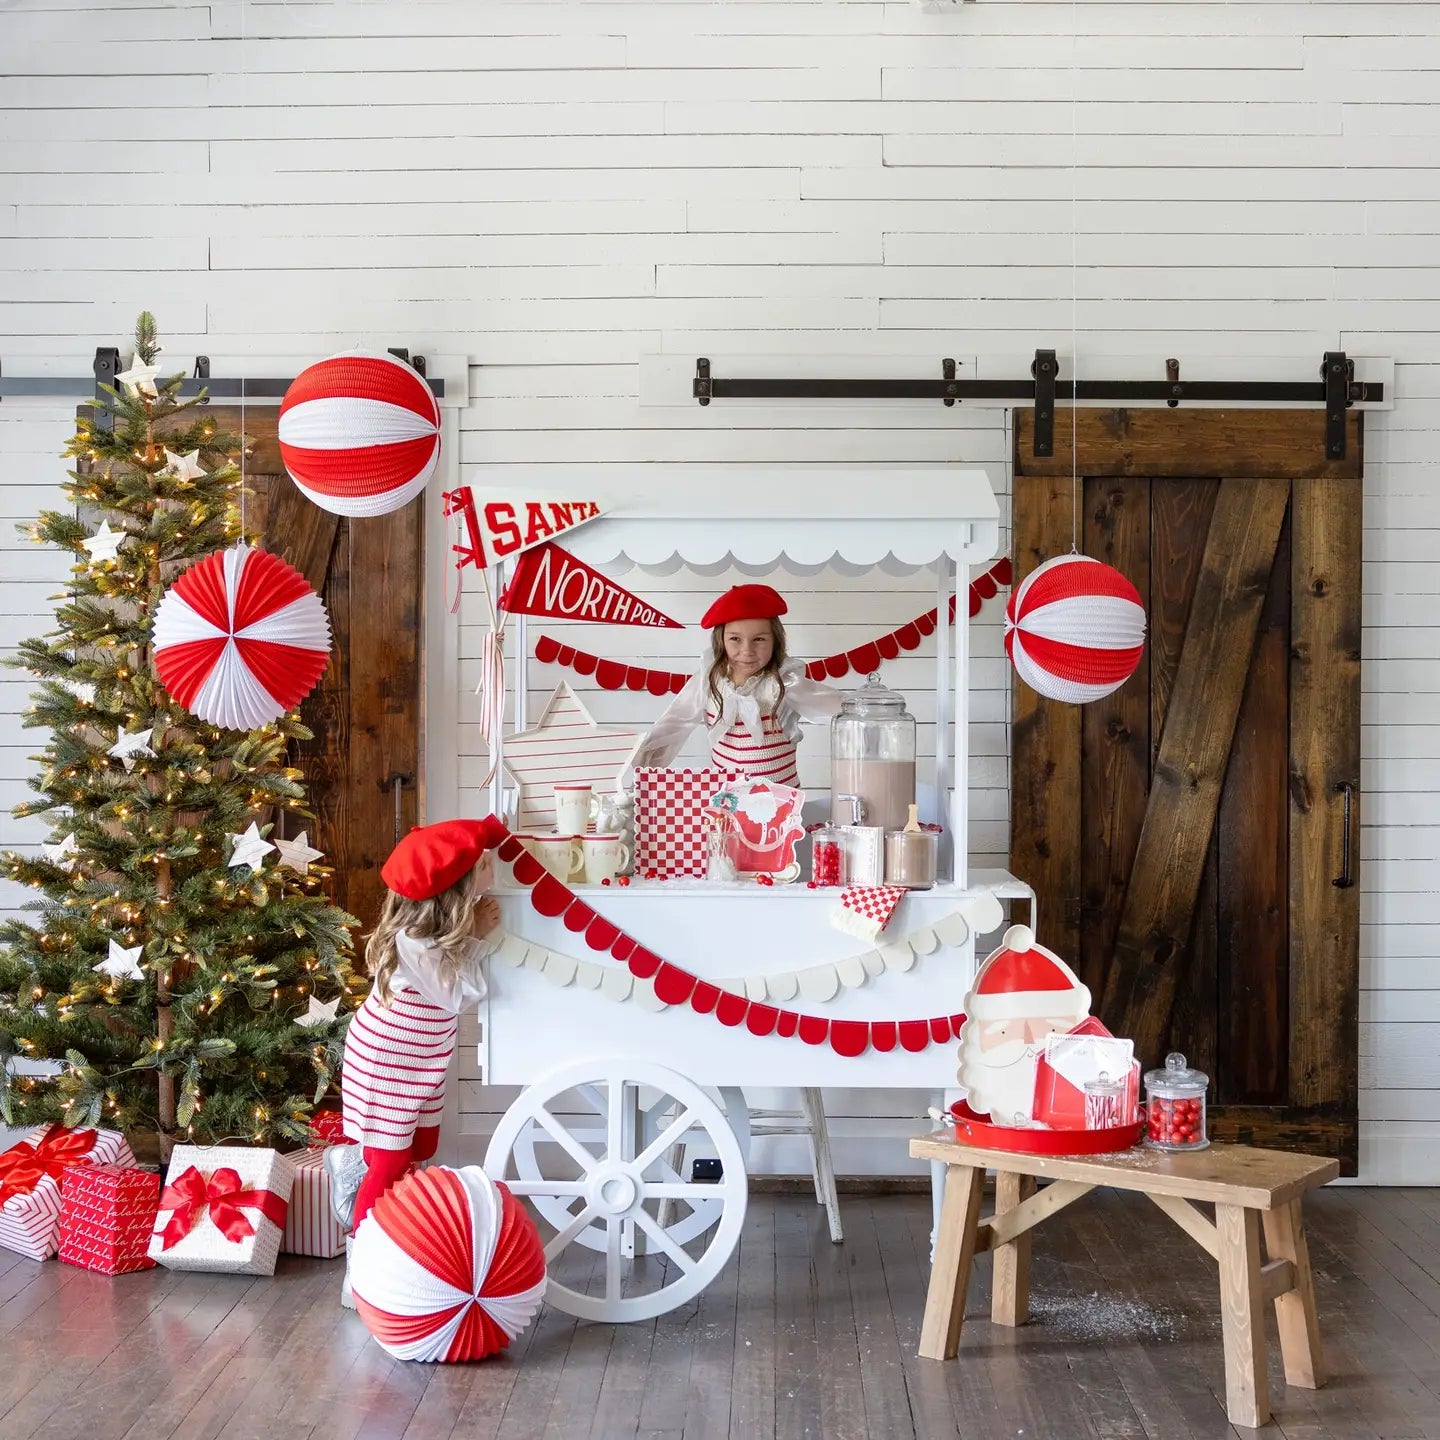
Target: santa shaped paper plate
x,y
1022,996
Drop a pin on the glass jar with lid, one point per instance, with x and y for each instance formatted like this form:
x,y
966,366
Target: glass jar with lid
x,y
872,758
1175,1106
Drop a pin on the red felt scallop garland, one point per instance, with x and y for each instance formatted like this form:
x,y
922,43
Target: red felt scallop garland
x,y
615,675
676,986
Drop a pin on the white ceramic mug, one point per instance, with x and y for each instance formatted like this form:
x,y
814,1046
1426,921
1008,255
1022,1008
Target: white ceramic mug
x,y
606,856
575,809
559,854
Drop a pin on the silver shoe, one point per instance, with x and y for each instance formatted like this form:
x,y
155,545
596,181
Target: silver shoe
x,y
345,1165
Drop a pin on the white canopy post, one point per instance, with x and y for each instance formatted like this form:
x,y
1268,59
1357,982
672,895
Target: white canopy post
x,y
944,772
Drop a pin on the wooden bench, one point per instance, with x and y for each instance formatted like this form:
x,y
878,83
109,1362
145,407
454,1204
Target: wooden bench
x,y
1251,1190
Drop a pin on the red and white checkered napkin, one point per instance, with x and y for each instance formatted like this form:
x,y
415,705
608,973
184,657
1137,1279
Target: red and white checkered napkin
x,y
671,832
865,910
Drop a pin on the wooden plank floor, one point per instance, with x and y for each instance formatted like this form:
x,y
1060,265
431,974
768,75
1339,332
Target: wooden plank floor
x,y
797,1337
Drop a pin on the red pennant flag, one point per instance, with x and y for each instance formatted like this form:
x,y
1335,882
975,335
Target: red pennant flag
x,y
551,582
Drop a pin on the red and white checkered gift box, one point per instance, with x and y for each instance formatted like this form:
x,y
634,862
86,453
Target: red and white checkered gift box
x,y
671,832
310,1228
30,1182
106,1212
865,910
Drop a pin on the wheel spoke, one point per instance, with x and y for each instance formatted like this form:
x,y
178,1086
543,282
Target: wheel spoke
x,y
563,1138
663,1141
680,1190
614,1122
612,1257
661,1237
565,1236
559,1188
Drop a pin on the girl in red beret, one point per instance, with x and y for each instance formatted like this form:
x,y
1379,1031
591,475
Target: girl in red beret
x,y
751,697
426,959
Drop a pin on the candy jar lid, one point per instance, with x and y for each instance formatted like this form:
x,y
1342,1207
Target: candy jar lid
x,y
1177,1078
1102,1084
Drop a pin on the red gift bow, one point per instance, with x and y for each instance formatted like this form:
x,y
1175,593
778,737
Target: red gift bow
x,y
190,1197
25,1165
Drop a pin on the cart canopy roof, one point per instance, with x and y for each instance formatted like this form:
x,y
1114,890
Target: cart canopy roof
x,y
755,519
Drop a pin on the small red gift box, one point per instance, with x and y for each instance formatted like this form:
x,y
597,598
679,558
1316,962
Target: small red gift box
x,y
30,1182
106,1215
327,1128
1069,1061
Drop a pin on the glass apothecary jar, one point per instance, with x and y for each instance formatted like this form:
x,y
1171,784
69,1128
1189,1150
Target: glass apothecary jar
x,y
872,758
1175,1106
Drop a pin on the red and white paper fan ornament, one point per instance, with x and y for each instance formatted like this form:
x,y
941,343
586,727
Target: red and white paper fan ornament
x,y
360,433
240,638
447,1266
1075,629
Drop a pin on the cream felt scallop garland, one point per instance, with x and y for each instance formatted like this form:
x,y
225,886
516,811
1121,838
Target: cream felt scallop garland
x,y
816,984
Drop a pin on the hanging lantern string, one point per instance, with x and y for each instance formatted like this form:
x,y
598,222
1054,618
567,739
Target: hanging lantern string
x,y
1074,291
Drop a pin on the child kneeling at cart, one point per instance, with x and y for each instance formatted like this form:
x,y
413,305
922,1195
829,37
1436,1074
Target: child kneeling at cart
x,y
425,958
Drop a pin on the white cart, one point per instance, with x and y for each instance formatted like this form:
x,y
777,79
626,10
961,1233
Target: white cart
x,y
605,1148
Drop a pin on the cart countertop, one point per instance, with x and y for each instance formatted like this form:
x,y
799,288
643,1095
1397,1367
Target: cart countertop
x,y
999,883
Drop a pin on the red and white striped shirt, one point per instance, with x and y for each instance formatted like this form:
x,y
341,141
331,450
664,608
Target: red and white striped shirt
x,y
753,732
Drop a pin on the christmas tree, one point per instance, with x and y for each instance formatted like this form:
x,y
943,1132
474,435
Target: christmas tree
x,y
178,966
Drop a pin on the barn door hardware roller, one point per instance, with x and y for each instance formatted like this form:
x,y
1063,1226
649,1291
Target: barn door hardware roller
x,y
1336,390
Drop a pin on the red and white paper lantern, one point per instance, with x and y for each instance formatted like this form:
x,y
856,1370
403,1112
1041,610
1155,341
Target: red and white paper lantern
x,y
360,433
447,1266
240,638
1075,629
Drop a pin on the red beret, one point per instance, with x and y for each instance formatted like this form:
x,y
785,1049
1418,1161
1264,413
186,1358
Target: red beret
x,y
745,602
431,858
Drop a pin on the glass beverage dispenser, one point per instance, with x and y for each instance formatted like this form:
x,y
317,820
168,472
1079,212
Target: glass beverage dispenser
x,y
872,758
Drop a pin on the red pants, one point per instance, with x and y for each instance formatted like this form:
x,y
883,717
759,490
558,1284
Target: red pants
x,y
385,1168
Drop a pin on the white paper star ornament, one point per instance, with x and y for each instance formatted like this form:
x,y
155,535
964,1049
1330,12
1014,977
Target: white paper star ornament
x,y
298,853
139,379
130,745
104,543
62,854
565,746
186,467
251,848
318,1014
121,964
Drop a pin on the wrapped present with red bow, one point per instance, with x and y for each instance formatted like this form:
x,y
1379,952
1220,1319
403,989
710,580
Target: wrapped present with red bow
x,y
30,1174
223,1209
327,1128
310,1227
106,1215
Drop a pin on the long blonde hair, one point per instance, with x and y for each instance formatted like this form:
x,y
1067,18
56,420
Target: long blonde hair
x,y
445,920
720,661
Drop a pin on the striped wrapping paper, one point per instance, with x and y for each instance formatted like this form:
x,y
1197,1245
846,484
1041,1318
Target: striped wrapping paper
x,y
310,1228
30,1223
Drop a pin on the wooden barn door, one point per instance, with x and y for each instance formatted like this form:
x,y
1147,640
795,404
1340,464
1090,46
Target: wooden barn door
x,y
366,713
1193,838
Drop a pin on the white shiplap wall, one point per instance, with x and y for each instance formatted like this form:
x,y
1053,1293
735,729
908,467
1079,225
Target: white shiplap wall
x,y
559,190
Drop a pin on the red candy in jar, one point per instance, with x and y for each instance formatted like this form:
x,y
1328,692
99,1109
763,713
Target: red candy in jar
x,y
825,858
1175,1106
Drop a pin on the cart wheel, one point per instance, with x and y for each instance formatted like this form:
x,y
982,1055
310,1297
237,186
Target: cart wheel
x,y
684,1219
622,1185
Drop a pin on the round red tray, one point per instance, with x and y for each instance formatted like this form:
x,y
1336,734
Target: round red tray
x,y
973,1129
